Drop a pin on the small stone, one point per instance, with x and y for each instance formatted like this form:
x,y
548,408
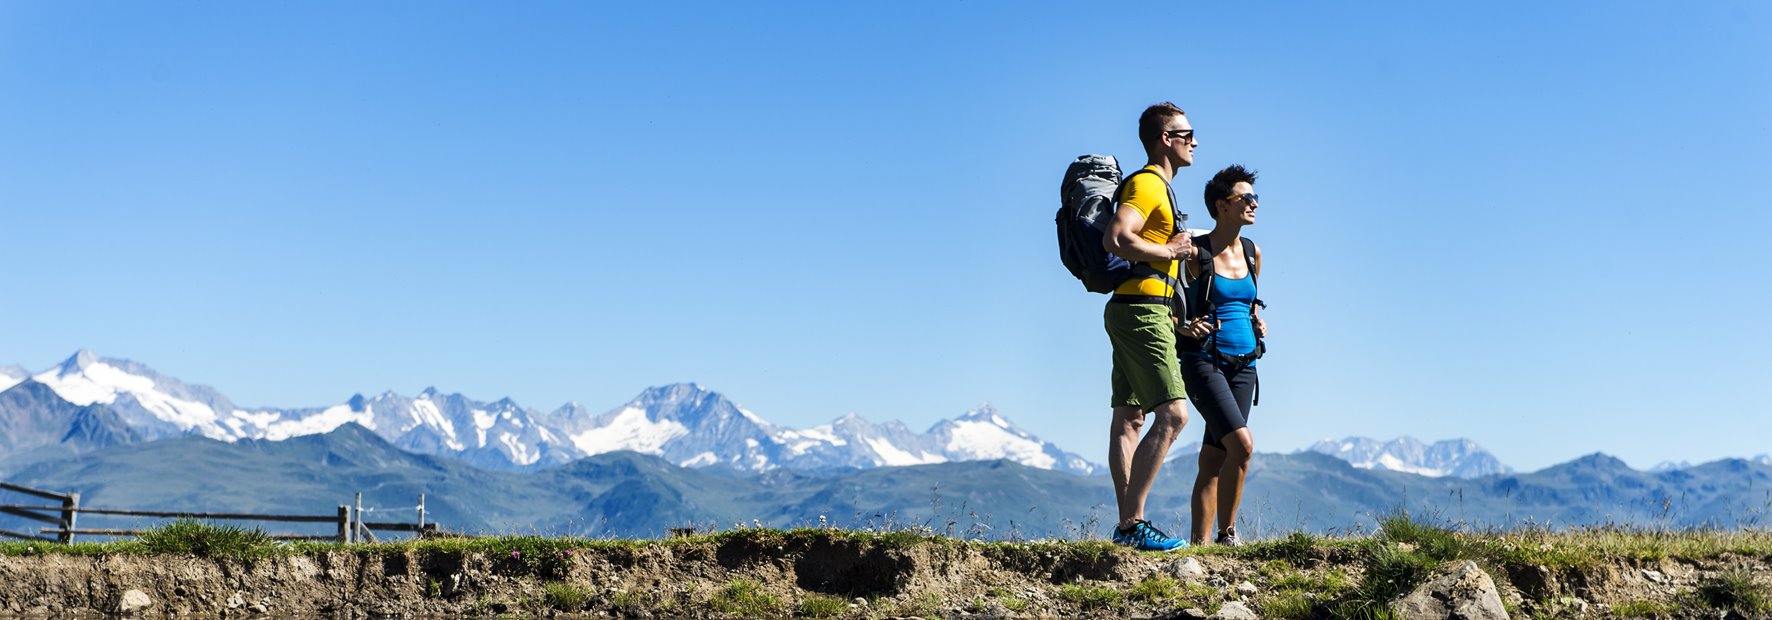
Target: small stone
x,y
1247,588
1579,605
1235,611
134,601
1194,613
1187,568
1654,575
260,608
235,601
860,602
1217,582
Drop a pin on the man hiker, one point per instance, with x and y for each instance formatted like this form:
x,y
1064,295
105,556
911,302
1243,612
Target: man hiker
x,y
1141,325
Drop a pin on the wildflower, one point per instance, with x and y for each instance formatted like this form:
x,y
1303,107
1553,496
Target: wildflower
x,y
516,554
569,553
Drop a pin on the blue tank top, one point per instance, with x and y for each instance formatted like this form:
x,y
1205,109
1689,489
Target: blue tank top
x,y
1231,299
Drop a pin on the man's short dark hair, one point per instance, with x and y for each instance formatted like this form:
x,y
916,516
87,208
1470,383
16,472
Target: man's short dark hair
x,y
1221,184
1151,123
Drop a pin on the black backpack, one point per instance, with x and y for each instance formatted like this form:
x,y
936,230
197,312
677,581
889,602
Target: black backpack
x,y
1089,194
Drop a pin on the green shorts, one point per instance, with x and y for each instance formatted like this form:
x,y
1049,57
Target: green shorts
x,y
1146,370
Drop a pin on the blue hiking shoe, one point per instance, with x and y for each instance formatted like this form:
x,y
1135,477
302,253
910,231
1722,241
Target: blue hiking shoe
x,y
1144,537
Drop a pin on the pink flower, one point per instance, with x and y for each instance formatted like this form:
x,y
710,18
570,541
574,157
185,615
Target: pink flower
x,y
516,554
568,553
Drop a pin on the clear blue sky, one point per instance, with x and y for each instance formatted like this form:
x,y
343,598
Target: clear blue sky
x,y
1541,226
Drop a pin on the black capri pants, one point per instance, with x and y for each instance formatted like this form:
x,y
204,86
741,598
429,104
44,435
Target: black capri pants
x,y
1224,396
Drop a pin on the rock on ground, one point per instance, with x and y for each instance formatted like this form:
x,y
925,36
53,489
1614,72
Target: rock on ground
x,y
1463,591
1187,568
1235,611
133,601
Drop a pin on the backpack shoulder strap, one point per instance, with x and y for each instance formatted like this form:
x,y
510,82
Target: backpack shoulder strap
x,y
1249,255
1120,192
1249,258
1174,207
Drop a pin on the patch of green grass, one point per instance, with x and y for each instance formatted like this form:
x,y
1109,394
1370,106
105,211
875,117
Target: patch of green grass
x,y
1296,548
1295,594
1390,572
1290,605
207,540
746,598
1735,588
1203,596
633,602
1532,550
903,539
565,596
1008,600
1436,543
1643,609
88,549
1274,568
1089,597
1332,583
821,606
977,605
1156,589
1585,548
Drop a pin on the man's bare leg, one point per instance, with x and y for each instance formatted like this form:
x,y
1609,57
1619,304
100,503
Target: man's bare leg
x,y
1169,418
1122,441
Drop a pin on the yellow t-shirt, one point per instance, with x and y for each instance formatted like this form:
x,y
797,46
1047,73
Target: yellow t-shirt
x,y
1148,194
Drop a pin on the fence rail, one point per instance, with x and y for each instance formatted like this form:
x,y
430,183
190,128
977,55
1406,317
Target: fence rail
x,y
351,526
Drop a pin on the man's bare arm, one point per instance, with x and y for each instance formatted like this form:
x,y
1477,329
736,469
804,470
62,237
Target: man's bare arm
x,y
1122,239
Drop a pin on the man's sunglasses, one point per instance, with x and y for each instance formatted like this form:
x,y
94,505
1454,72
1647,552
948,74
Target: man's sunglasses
x,y
1185,134
1245,198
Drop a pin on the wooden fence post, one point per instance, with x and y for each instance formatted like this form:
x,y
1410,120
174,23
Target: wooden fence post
x,y
421,514
70,509
357,534
344,523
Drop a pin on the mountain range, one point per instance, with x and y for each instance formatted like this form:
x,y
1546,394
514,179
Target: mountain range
x,y
635,495
88,402
686,424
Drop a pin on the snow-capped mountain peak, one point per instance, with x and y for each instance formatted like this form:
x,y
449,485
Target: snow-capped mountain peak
x,y
11,376
1460,458
982,433
1671,466
155,405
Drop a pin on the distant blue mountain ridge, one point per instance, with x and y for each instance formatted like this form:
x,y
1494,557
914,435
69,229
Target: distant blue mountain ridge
x,y
628,494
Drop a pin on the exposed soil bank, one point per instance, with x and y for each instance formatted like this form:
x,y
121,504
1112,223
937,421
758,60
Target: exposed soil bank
x,y
809,575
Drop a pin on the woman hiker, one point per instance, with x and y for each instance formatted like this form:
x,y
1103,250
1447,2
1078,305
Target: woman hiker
x,y
1219,366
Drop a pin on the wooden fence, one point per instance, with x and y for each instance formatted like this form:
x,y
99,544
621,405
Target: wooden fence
x,y
66,515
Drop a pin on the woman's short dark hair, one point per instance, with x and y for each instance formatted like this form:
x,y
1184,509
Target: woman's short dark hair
x,y
1151,123
1221,184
